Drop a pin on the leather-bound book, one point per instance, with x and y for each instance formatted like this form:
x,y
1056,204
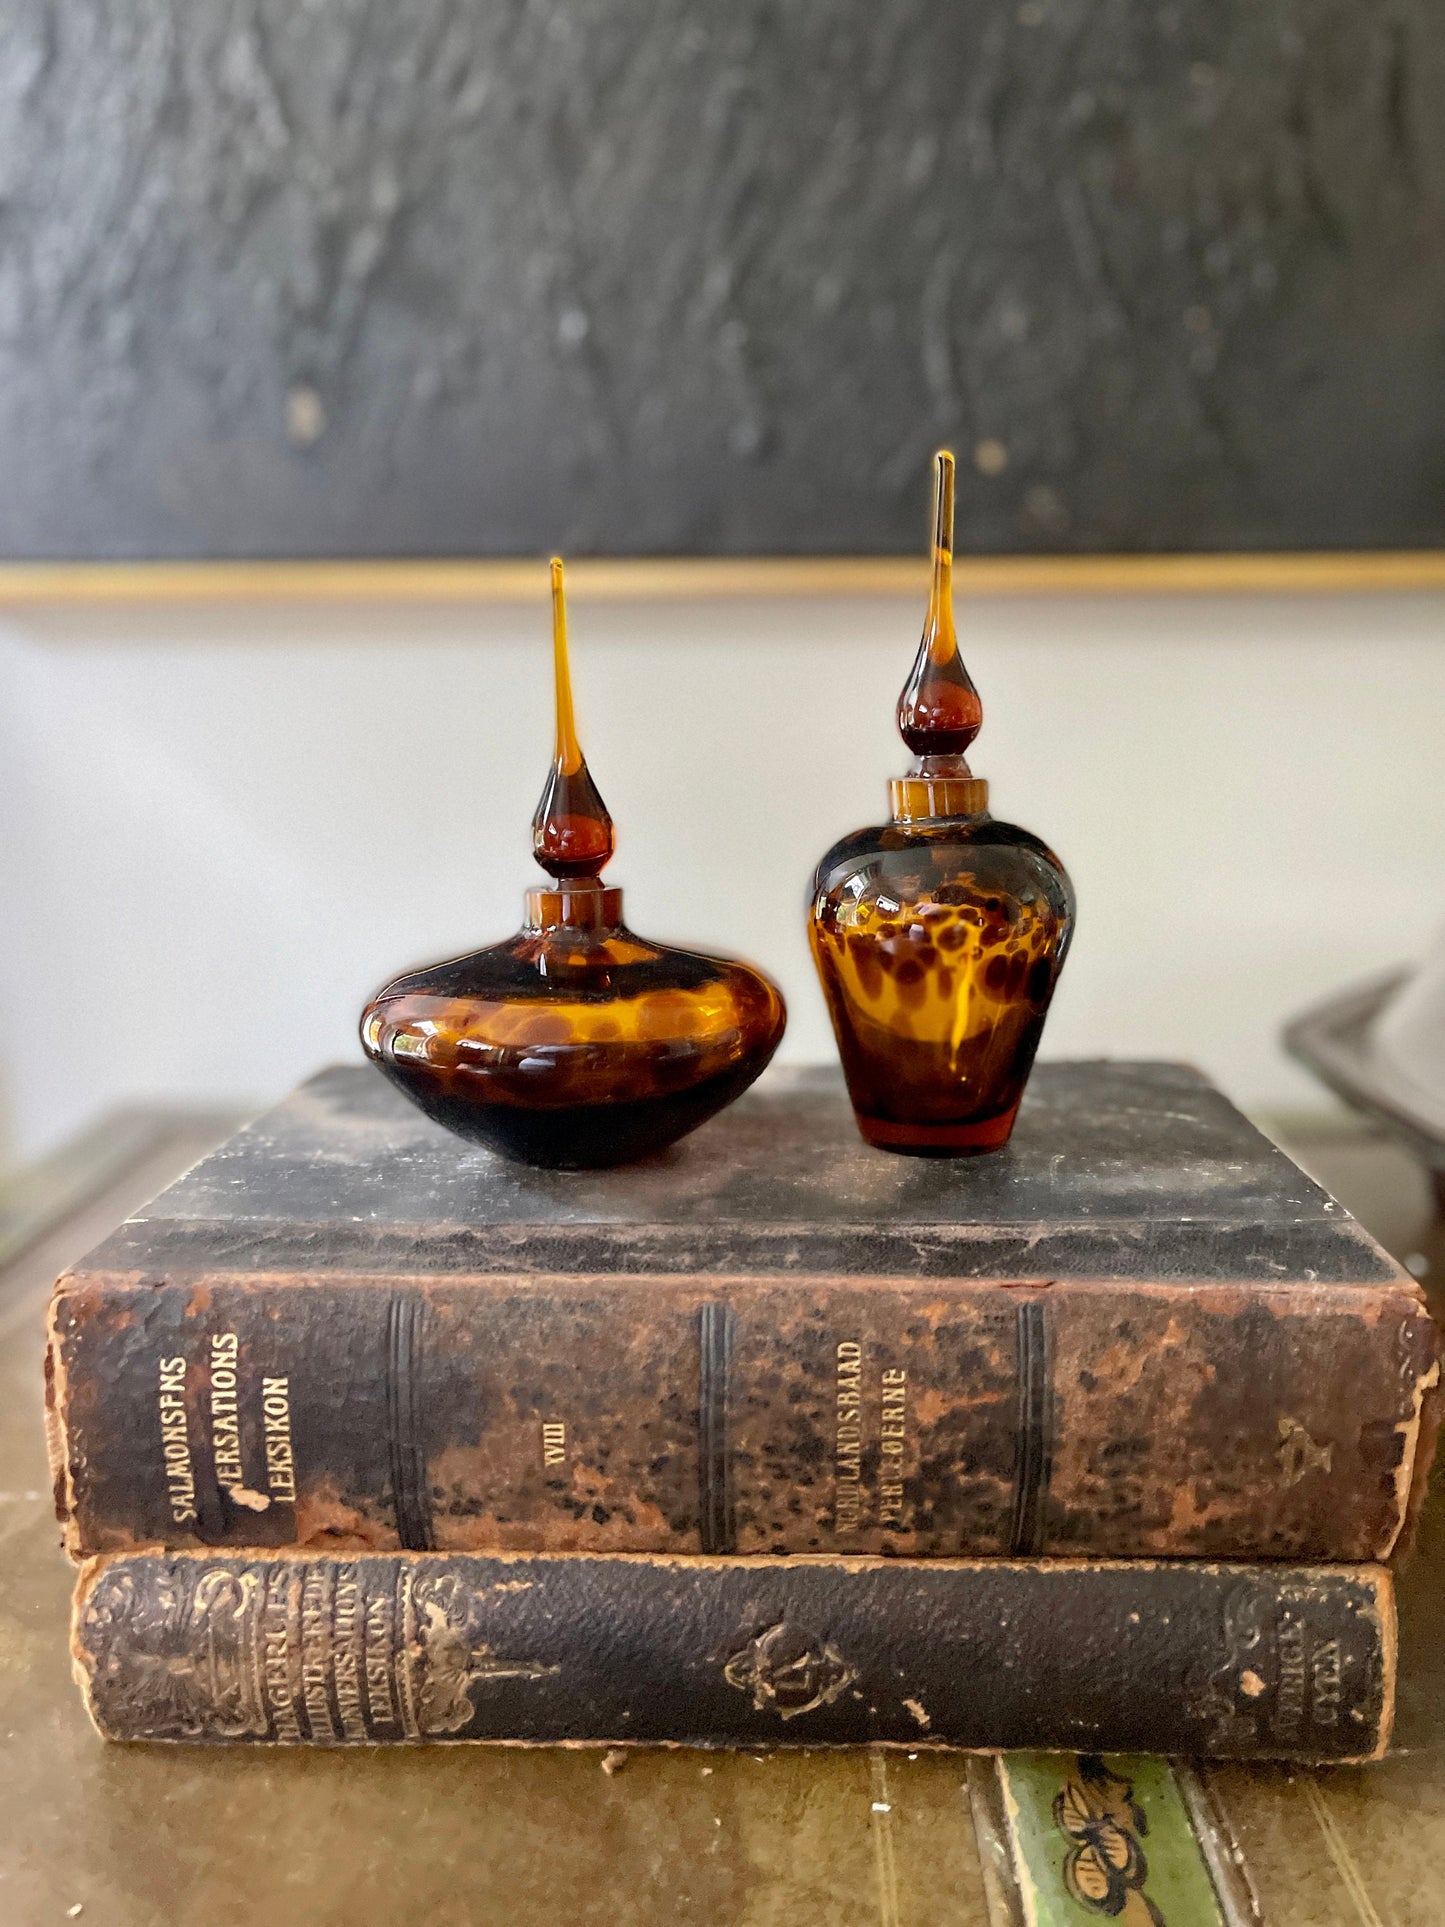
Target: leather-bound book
x,y
1138,1332
1241,1662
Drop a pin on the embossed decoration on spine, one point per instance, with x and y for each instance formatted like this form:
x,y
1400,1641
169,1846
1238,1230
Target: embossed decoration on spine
x,y
789,1671
407,1647
410,1483
715,1495
1033,1440
316,1650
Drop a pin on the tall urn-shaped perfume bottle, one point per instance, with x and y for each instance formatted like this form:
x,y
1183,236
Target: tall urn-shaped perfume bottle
x,y
940,935
575,1043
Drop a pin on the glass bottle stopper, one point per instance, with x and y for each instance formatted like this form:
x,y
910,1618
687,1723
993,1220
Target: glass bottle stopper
x,y
939,712
572,829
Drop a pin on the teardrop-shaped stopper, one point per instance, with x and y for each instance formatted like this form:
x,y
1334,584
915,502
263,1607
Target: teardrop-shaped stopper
x,y
939,712
572,831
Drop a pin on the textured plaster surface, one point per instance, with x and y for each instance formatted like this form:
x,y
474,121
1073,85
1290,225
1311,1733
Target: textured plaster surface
x,y
443,277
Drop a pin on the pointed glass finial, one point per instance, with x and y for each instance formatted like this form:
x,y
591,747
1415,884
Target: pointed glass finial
x,y
575,1043
939,712
572,831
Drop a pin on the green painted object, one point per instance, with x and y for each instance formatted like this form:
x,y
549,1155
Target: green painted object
x,y
1097,1839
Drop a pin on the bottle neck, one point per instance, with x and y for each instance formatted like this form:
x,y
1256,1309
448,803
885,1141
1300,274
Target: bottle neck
x,y
585,904
937,786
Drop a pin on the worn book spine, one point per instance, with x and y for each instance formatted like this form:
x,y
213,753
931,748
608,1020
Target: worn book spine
x,y
911,1416
1235,1661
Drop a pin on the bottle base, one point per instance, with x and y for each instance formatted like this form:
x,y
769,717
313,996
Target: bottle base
x,y
974,1139
574,1137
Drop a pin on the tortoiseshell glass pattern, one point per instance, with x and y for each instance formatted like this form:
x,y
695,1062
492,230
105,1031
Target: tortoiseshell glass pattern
x,y
574,1043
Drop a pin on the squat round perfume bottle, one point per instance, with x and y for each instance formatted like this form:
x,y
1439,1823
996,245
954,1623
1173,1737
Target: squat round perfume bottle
x,y
939,937
575,1043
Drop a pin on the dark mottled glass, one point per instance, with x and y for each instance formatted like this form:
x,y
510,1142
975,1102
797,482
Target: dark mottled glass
x,y
574,1043
575,1046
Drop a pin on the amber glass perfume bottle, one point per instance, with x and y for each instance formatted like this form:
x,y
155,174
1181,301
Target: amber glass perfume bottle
x,y
575,1043
939,937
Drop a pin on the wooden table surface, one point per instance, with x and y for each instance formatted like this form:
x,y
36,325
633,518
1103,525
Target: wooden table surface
x,y
128,1836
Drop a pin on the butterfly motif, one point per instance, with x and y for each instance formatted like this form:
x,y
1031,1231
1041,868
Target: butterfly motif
x,y
1105,1869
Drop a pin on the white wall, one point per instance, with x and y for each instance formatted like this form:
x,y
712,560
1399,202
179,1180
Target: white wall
x,y
222,827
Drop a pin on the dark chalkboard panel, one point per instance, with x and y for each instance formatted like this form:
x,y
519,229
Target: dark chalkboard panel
x,y
483,277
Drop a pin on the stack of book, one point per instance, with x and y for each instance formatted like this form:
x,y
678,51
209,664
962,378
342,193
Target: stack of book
x,y
1103,1443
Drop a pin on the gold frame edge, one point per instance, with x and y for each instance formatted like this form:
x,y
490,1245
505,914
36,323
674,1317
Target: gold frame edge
x,y
484,579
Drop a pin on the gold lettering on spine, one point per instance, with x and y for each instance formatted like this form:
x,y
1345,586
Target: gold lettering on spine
x,y
225,1412
554,1442
848,1438
379,1647
276,1430
893,1442
1310,1688
175,1442
1289,1706
348,1620
1325,1683
317,1655
280,1641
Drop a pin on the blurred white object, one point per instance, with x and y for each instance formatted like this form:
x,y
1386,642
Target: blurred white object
x,y
1381,1046
1409,1033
